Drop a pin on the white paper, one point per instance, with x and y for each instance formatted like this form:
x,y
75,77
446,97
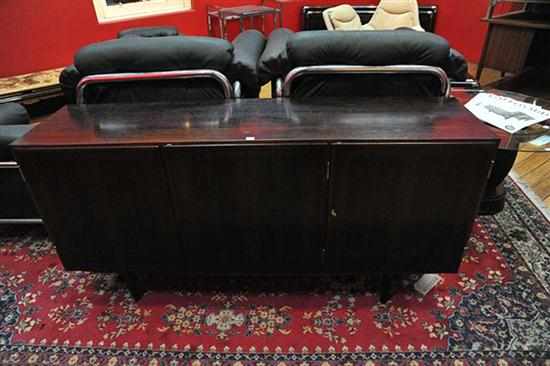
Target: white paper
x,y
506,113
427,282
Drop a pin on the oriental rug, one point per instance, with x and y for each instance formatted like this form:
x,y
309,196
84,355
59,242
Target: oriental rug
x,y
496,310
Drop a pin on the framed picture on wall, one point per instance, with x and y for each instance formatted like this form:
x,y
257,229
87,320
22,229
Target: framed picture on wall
x,y
117,10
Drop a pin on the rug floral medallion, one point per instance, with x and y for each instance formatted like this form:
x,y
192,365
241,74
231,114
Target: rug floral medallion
x,y
496,310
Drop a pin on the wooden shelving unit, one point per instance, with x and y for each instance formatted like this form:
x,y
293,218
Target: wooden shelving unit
x,y
516,39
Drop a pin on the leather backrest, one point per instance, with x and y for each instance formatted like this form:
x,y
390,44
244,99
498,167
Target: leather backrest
x,y
137,54
369,48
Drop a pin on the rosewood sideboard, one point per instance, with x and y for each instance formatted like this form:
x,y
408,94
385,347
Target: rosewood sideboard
x,y
250,186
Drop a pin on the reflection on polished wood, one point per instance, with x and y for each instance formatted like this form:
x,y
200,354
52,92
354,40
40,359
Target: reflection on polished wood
x,y
260,120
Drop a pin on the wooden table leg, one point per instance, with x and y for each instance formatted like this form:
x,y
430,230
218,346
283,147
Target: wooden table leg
x,y
133,284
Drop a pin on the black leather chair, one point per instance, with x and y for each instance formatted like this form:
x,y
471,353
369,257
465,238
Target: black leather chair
x,y
16,205
358,63
137,68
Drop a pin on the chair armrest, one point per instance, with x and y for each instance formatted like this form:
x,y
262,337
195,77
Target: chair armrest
x,y
13,114
68,79
8,134
273,62
14,123
457,67
247,48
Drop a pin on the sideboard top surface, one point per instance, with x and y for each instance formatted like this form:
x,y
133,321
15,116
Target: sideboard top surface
x,y
259,120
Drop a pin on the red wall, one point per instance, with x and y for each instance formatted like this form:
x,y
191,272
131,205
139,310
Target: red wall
x,y
43,34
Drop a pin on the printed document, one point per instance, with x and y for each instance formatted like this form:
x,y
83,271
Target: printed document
x,y
506,113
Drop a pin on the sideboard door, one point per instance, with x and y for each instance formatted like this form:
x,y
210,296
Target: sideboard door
x,y
106,209
251,208
404,207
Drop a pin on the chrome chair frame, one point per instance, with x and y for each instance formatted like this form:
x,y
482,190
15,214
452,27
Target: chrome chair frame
x,y
466,85
285,89
228,90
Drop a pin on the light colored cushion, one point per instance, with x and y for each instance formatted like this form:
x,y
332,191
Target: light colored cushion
x,y
393,14
342,17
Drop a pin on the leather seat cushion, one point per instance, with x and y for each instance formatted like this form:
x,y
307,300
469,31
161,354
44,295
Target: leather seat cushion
x,y
373,48
138,54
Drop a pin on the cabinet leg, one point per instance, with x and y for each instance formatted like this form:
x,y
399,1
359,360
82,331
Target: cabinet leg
x,y
385,288
134,286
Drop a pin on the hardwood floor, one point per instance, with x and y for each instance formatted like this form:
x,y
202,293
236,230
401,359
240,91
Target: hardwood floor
x,y
532,168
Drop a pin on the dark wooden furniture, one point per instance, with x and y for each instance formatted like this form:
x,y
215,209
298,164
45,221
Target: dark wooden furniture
x,y
312,16
517,39
260,186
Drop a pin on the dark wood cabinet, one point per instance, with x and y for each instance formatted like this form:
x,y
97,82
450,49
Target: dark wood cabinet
x,y
276,187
